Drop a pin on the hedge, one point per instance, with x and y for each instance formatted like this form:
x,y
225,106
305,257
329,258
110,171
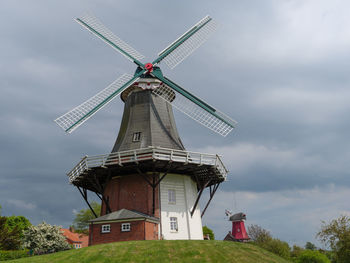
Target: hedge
x,y
13,254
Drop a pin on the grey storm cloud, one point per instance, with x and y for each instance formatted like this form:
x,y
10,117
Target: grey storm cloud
x,y
280,68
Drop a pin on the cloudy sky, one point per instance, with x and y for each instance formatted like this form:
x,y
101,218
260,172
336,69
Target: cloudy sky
x,y
280,68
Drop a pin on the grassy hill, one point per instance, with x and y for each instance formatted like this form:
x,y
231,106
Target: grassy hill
x,y
162,251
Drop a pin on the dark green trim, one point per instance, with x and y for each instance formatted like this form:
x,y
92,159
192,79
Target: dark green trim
x,y
192,98
126,85
179,42
111,43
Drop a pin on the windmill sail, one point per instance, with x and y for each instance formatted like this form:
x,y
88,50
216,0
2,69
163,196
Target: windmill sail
x,y
194,107
77,116
186,44
96,27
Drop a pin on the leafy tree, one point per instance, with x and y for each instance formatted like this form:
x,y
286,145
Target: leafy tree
x,y
0,209
20,222
208,231
81,221
312,256
336,235
45,238
310,246
296,251
259,234
9,239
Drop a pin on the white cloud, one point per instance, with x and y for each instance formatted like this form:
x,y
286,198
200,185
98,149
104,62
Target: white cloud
x,y
243,156
21,204
304,105
301,32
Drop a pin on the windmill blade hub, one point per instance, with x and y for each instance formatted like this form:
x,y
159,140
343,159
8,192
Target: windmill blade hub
x,y
149,67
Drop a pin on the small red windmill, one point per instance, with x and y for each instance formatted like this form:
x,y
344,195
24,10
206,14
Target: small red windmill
x,y
239,232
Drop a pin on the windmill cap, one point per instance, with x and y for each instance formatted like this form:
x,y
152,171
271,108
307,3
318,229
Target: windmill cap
x,y
238,217
146,83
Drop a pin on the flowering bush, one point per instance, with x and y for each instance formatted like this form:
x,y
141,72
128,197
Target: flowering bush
x,y
45,238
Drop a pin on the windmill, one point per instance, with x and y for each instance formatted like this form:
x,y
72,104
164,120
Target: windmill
x,y
239,232
149,174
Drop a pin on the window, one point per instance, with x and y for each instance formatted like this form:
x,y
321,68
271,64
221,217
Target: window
x,y
106,228
125,227
136,137
171,196
173,224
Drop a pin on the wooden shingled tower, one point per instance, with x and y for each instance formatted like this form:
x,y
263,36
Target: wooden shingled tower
x,y
149,184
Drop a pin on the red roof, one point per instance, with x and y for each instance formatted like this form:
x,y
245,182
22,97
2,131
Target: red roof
x,y
75,238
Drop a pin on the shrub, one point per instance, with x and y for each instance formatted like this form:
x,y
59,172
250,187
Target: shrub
x,y
312,256
277,247
45,238
13,254
208,231
296,251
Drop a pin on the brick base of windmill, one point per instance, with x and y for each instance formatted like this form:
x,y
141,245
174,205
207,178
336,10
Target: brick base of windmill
x,y
238,233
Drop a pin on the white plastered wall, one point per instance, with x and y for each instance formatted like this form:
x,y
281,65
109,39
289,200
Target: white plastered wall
x,y
186,193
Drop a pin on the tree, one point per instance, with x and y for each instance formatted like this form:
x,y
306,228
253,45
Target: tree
x,y
208,231
9,239
20,222
259,234
81,221
310,246
336,235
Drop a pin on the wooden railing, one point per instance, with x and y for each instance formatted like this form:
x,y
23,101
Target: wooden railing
x,y
150,153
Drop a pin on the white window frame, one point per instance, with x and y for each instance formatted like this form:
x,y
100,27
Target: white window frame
x,y
136,137
105,228
126,227
171,196
174,227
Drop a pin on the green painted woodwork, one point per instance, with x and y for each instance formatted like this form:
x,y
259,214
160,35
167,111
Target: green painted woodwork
x,y
179,42
111,43
126,85
191,97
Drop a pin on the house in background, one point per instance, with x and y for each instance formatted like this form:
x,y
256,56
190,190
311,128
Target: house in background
x,y
78,240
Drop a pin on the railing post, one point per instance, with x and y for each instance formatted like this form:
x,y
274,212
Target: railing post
x,y
119,160
187,154
135,157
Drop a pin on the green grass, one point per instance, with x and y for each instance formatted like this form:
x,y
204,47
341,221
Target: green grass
x,y
162,251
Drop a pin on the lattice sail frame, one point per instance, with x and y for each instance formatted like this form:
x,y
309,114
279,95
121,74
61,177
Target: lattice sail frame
x,y
91,23
175,53
203,29
195,112
77,116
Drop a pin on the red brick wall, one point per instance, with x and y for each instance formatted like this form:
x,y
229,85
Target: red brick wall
x,y
131,192
137,232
